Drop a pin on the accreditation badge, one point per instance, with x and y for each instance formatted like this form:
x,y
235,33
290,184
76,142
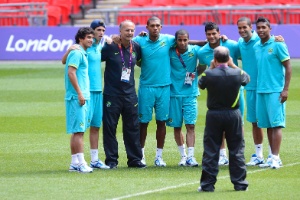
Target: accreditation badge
x,y
125,74
189,78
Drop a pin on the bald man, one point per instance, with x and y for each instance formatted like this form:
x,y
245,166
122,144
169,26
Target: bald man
x,y
223,90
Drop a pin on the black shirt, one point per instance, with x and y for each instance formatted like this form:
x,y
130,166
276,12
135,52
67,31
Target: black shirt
x,y
223,85
113,69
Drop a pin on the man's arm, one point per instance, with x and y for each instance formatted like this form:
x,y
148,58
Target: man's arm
x,y
288,75
198,42
73,79
201,69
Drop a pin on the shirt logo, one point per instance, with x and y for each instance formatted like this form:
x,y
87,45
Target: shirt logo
x,y
162,44
191,55
108,104
270,50
116,53
133,55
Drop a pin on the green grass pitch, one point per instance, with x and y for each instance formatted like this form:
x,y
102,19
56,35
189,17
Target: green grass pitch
x,y
35,153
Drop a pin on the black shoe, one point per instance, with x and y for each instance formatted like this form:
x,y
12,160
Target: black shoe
x,y
138,165
112,165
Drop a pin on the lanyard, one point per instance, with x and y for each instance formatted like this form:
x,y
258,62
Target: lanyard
x,y
122,56
178,54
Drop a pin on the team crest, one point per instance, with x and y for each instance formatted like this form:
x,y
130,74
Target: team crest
x,y
108,104
170,120
162,44
191,55
270,50
81,124
133,55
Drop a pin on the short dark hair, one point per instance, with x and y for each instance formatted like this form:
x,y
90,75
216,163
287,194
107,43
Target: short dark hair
x,y
82,32
210,26
153,19
181,32
221,54
264,20
244,19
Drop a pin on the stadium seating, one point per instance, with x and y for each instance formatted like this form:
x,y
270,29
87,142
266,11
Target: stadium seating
x,y
54,16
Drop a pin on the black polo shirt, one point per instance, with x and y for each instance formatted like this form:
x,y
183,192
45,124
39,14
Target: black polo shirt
x,y
113,69
223,85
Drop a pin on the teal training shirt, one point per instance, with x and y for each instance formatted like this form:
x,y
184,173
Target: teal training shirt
x,y
94,69
248,59
271,72
78,60
178,72
207,53
155,65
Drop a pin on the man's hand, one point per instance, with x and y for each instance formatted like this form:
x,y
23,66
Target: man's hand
x,y
279,38
231,63
81,99
116,38
108,40
224,38
212,64
283,96
143,33
73,47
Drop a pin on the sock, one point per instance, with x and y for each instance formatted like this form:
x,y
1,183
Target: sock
x,y
159,152
191,151
275,157
270,151
143,152
259,150
80,157
74,160
94,155
222,152
182,150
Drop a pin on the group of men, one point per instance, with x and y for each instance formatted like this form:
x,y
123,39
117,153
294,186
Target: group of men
x,y
169,85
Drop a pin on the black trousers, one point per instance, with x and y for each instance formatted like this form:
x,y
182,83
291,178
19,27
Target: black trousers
x,y
113,107
217,122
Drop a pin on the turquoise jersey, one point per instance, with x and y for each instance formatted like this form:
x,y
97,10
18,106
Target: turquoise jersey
x,y
155,65
271,72
94,69
178,72
248,61
78,60
207,53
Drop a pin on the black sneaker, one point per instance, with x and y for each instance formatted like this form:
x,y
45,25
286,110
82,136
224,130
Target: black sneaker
x,y
112,165
138,165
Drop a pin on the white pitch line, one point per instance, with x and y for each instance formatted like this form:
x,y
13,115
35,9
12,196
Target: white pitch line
x,y
186,184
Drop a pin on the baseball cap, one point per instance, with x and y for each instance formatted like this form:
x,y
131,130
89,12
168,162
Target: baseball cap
x,y
97,23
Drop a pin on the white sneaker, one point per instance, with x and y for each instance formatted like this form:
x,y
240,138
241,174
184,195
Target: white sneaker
x,y
73,167
191,162
267,163
84,168
223,160
99,165
182,161
143,160
159,162
255,161
275,163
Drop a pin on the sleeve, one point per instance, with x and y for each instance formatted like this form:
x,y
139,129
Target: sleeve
x,y
74,58
138,52
245,78
283,52
202,80
104,52
200,57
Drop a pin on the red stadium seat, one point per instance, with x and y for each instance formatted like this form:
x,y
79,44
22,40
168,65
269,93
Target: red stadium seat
x,y
162,2
138,3
54,16
66,8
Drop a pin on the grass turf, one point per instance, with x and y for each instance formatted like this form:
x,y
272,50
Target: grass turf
x,y
35,155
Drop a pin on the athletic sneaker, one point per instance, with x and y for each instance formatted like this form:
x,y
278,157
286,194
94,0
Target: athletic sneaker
x,y
99,165
84,168
143,160
276,163
182,161
223,160
159,162
191,161
267,163
255,161
73,168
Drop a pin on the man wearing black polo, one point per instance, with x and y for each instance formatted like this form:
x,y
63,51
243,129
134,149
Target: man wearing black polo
x,y
223,85
119,98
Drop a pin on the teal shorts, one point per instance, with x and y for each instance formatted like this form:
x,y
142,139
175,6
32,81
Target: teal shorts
x,y
95,109
153,97
270,111
76,116
251,105
182,109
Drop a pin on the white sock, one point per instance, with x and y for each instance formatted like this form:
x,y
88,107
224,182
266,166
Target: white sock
x,y
191,151
223,152
159,152
259,150
143,152
94,155
270,150
80,157
276,157
74,160
182,150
